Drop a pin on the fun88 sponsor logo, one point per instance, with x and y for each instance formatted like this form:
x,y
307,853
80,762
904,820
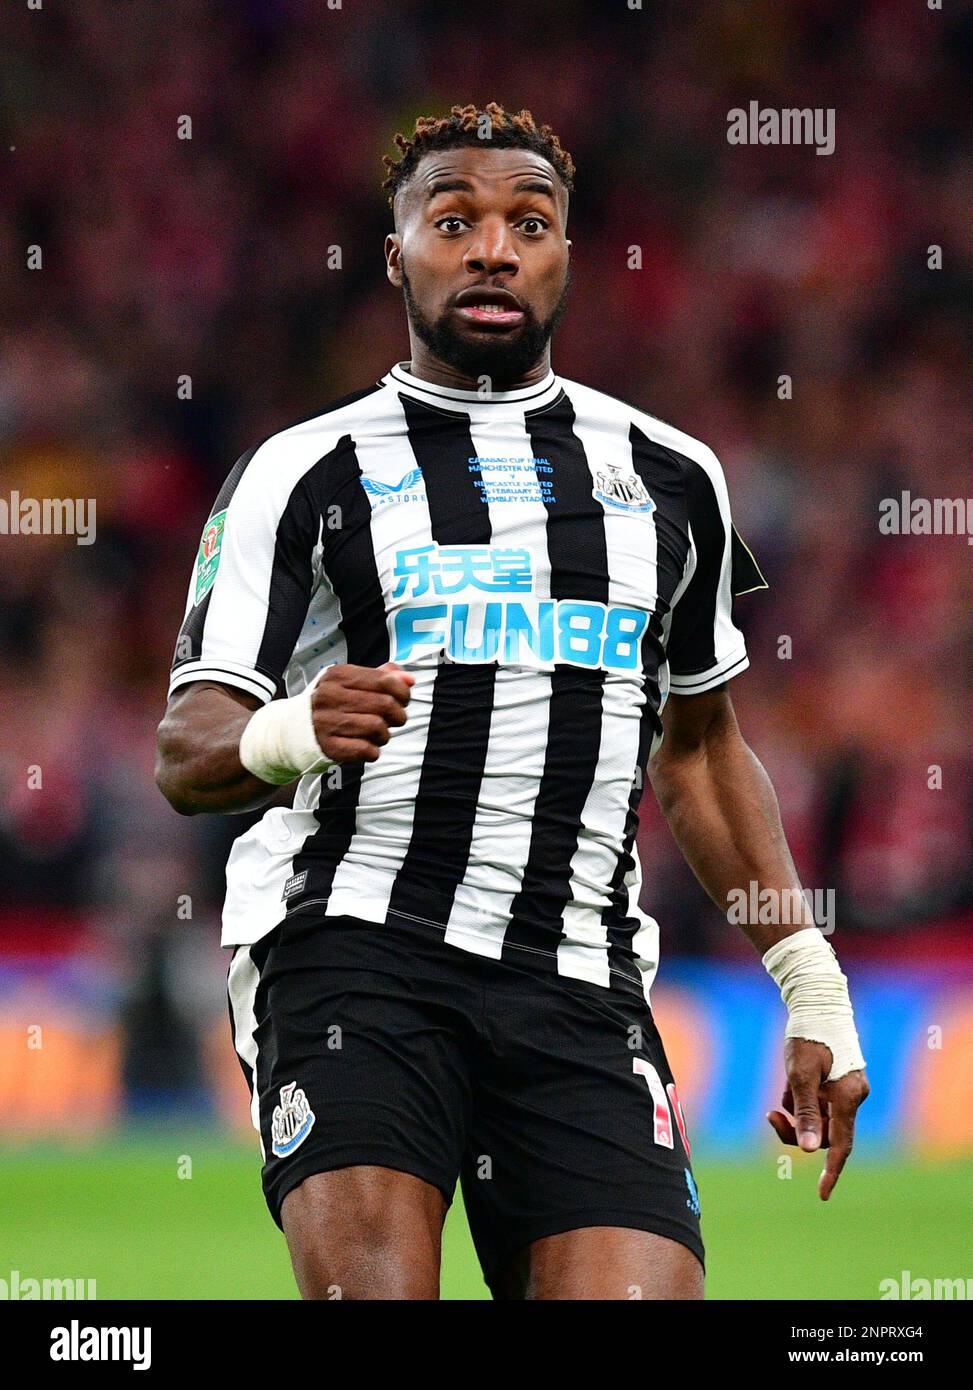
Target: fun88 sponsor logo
x,y
523,631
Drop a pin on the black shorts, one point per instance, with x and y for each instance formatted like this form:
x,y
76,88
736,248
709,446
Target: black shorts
x,y
550,1099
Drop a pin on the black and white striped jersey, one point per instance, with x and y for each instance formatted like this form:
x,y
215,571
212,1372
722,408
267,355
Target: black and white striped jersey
x,y
548,563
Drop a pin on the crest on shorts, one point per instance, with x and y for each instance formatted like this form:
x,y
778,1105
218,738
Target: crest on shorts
x,y
293,1120
625,491
208,560
692,1201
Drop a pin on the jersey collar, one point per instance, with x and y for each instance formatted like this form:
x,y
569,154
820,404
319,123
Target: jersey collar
x,y
539,394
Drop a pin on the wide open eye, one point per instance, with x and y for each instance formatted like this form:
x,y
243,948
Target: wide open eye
x,y
533,226
457,224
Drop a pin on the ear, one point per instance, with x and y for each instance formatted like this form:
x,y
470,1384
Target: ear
x,y
393,259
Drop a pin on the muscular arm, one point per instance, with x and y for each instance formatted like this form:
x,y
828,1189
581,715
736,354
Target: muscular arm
x,y
723,813
721,806
198,764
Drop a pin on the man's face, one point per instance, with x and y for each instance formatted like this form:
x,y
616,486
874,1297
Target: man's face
x,y
481,256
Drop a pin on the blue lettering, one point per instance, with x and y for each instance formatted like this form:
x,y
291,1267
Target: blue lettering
x,y
579,632
623,632
408,634
559,630
490,641
540,640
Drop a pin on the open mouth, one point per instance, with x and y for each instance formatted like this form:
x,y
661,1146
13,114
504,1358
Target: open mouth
x,y
490,309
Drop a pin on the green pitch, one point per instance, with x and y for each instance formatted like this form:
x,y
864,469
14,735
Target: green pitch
x,y
122,1215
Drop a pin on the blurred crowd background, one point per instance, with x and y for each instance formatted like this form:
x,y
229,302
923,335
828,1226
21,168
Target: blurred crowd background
x,y
208,259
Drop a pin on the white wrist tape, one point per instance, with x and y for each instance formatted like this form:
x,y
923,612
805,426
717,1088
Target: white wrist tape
x,y
815,991
279,743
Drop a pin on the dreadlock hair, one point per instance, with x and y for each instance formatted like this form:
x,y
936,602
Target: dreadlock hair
x,y
463,126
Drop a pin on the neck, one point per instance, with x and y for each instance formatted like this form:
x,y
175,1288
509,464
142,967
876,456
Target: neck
x,y
427,367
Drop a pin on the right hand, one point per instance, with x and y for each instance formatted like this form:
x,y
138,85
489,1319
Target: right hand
x,y
355,707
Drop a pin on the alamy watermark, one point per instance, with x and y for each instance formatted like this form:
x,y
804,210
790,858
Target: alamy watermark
x,y
48,516
787,907
906,515
907,1287
18,1287
77,1343
790,125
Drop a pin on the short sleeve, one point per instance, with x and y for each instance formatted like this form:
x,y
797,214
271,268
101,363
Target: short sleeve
x,y
252,578
705,646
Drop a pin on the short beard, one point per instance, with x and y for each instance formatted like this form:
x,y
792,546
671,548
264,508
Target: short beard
x,y
506,360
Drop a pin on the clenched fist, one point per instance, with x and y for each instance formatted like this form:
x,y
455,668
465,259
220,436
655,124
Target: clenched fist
x,y
355,707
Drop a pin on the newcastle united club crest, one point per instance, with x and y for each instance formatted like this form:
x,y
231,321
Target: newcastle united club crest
x,y
292,1122
625,491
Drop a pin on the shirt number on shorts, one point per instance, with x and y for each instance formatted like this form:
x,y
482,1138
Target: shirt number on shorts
x,y
662,1117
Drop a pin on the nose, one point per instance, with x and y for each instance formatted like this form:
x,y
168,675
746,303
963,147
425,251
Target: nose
x,y
493,251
